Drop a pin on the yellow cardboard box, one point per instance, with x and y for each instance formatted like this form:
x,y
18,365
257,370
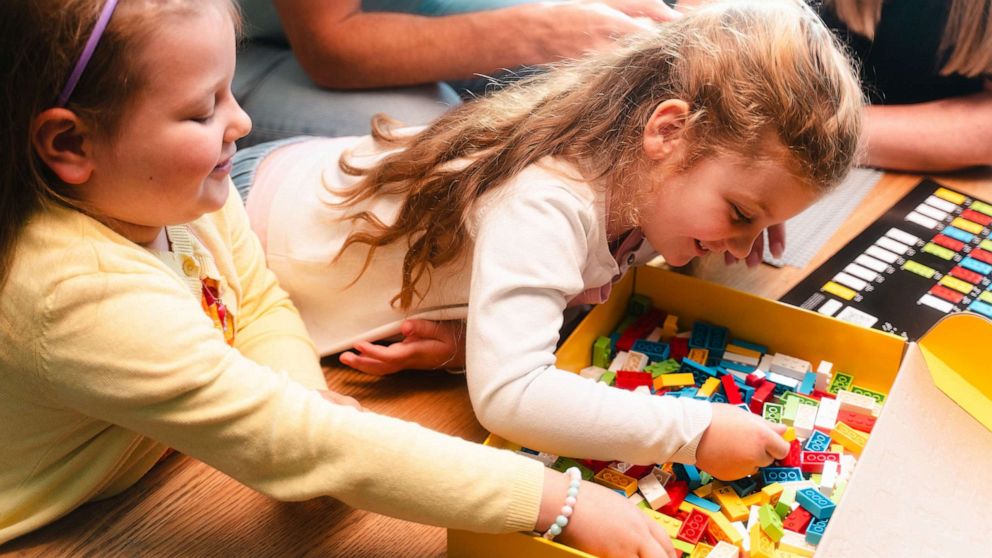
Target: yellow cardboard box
x,y
921,487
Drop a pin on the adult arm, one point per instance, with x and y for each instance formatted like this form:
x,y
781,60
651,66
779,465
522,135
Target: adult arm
x,y
342,47
940,135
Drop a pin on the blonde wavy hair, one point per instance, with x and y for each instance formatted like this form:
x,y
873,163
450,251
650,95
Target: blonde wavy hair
x,y
746,71
966,40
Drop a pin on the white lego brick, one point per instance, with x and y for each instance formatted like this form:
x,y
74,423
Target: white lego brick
x,y
636,361
796,540
654,336
752,518
824,373
788,382
742,359
723,549
790,366
847,464
745,535
828,478
662,475
765,364
618,361
805,420
826,415
653,491
856,403
547,459
592,372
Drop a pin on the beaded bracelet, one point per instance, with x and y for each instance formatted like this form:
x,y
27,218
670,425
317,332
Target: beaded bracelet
x,y
566,510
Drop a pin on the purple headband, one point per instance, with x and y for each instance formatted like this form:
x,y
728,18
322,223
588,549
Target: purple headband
x,y
84,58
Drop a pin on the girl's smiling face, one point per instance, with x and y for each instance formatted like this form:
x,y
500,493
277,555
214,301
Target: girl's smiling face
x,y
169,162
721,202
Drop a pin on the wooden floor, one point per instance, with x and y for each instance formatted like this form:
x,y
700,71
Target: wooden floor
x,y
185,508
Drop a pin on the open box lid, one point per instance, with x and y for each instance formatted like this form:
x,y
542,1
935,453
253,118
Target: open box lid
x,y
921,487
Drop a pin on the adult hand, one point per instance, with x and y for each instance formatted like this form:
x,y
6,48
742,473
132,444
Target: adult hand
x,y
582,26
737,443
426,345
603,523
776,244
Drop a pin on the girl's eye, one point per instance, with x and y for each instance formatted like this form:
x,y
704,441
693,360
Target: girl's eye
x,y
739,216
203,119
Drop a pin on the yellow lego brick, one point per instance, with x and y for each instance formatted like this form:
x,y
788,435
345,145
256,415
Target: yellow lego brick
x,y
789,434
958,285
762,545
670,524
743,351
685,547
675,380
795,543
779,553
616,480
701,551
852,440
704,491
752,499
722,530
964,224
773,491
698,355
709,387
837,448
839,290
950,195
670,327
731,504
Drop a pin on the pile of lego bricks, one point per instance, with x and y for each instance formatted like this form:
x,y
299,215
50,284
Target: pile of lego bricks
x,y
783,510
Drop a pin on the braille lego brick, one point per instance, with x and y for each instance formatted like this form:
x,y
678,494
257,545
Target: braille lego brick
x,y
781,474
797,520
815,503
693,527
616,480
815,530
770,523
852,440
813,461
818,441
840,381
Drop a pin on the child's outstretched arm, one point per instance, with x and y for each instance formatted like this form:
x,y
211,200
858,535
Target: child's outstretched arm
x,y
426,345
517,297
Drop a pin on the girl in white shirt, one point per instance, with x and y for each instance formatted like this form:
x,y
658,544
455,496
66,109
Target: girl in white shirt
x,y
688,140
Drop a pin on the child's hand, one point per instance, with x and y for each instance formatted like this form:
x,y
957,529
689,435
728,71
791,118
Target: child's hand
x,y
426,345
339,399
603,523
738,442
776,244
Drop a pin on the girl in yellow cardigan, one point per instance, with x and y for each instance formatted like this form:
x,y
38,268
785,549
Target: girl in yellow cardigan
x,y
137,313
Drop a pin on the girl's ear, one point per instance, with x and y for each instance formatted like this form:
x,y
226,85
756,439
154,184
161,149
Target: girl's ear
x,y
663,134
63,142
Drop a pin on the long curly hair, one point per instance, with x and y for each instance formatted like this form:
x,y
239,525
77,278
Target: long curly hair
x,y
745,70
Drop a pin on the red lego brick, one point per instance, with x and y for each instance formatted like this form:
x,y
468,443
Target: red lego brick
x,y
967,275
693,527
948,242
761,395
677,491
949,295
679,347
981,255
794,458
864,423
798,520
976,217
812,461
753,380
632,379
730,389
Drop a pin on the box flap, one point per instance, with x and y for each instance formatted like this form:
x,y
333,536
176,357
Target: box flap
x,y
958,352
921,480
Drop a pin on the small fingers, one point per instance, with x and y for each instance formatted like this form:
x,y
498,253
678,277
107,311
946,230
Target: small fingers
x,y
777,447
368,365
776,239
757,251
659,534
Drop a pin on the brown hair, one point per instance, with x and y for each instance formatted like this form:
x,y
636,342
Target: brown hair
x,y
966,40
43,39
746,71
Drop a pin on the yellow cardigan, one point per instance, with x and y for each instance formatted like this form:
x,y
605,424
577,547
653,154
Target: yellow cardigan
x,y
107,360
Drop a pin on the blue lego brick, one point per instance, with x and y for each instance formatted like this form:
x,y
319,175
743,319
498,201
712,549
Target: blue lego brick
x,y
737,366
700,373
744,486
976,266
744,407
808,383
958,234
718,397
700,334
702,502
716,340
655,351
688,473
688,392
749,345
982,308
781,474
815,503
817,442
746,393
815,530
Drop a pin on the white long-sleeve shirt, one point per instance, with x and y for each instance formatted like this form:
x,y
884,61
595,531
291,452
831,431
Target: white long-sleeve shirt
x,y
536,243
